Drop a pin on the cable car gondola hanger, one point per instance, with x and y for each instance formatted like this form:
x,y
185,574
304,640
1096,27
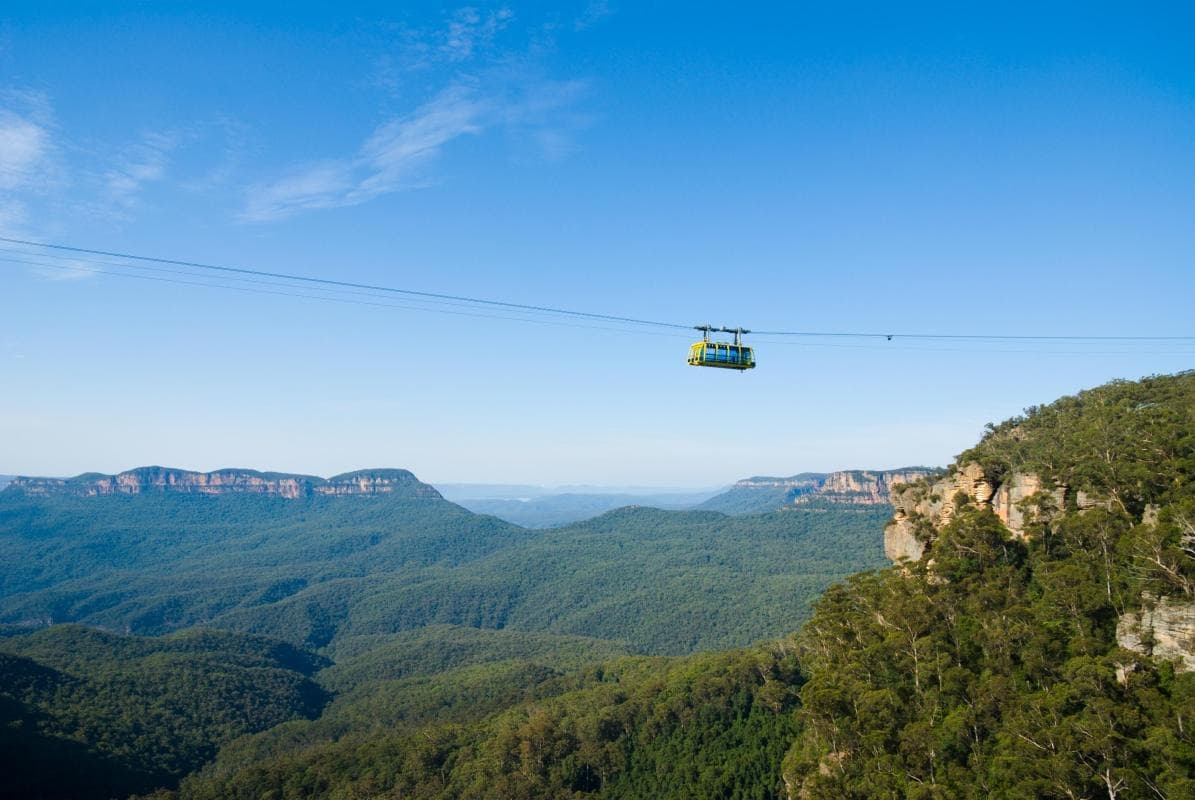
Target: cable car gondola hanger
x,y
723,355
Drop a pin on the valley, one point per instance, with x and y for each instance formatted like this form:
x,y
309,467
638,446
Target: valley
x,y
361,636
597,401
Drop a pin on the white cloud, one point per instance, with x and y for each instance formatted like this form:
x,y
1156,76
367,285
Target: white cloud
x,y
386,161
468,29
65,271
29,164
492,90
143,163
397,147
595,12
24,145
12,216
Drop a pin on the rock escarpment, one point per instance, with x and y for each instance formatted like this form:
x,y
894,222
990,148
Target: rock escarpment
x,y
864,487
921,508
145,480
1162,627
849,487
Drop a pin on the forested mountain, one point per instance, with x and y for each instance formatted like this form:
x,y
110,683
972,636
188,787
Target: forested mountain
x,y
92,715
1033,641
554,510
760,494
314,570
990,667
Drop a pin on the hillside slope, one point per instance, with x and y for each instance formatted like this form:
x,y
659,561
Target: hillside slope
x,y
760,495
316,569
555,510
990,667
92,715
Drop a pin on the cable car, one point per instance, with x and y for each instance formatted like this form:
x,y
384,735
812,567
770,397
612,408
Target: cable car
x,y
723,355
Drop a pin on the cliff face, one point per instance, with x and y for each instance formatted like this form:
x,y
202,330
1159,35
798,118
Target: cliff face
x,y
852,487
1163,627
922,508
864,487
228,481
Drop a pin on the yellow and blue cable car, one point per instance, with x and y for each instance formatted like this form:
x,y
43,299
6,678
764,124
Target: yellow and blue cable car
x,y
723,355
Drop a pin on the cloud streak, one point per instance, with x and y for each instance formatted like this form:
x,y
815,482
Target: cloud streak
x,y
485,89
143,163
469,30
386,162
24,145
28,155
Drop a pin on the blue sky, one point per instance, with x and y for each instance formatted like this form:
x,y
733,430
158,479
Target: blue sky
x,y
830,167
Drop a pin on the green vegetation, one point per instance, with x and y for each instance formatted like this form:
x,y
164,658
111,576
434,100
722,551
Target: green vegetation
x,y
1132,442
85,714
321,570
705,726
991,668
437,648
996,672
993,672
554,510
739,500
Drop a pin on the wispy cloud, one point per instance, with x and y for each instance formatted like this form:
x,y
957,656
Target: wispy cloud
x,y
28,155
483,87
386,162
594,13
65,271
23,146
143,163
468,29
474,70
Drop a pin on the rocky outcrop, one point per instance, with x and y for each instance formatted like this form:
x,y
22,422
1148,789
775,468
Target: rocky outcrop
x,y
227,481
922,508
811,480
850,487
864,487
1164,628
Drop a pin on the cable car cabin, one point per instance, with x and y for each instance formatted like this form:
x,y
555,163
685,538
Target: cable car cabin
x,y
721,354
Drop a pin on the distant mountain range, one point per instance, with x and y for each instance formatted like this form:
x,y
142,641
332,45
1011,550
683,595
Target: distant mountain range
x,y
539,507
457,492
526,505
318,561
762,494
226,481
552,510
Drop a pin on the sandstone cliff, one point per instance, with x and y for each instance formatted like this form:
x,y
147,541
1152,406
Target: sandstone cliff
x,y
922,507
227,481
1163,627
853,487
864,487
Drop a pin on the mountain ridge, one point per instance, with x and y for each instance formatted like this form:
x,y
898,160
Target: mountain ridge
x,y
229,480
763,493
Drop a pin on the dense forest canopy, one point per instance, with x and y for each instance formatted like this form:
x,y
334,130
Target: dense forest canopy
x,y
319,571
997,666
990,669
88,714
